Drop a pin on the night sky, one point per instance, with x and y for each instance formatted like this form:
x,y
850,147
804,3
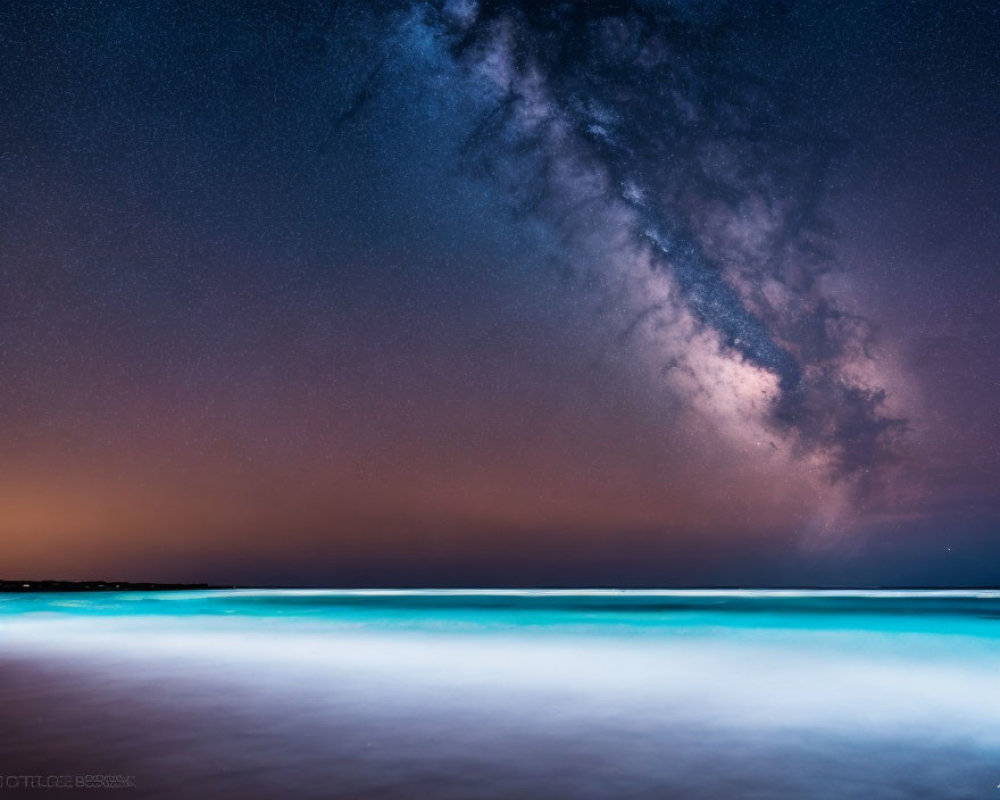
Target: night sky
x,y
651,293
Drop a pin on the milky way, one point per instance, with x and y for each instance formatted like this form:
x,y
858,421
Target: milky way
x,y
636,117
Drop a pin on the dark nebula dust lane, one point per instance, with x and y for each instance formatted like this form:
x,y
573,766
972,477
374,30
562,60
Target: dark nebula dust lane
x,y
569,292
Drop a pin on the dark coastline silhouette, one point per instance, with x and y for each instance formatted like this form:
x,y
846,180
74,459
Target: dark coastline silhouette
x,y
100,586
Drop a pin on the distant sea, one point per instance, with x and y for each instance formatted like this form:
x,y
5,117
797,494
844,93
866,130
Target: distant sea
x,y
541,695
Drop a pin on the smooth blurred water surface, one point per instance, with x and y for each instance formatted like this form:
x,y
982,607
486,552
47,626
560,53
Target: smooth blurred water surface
x,y
489,694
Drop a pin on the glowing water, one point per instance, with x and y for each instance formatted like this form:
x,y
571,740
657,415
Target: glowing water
x,y
512,694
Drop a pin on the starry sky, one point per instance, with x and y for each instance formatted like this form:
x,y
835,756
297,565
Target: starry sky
x,y
458,293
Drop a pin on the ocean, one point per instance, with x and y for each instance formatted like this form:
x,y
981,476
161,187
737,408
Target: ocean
x,y
581,695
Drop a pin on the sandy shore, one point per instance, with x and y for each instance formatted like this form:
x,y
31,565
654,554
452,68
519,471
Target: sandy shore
x,y
191,737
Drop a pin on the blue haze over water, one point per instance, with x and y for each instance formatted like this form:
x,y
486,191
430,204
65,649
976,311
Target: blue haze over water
x,y
507,694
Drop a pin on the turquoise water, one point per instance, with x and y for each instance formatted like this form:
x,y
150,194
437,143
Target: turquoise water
x,y
541,694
